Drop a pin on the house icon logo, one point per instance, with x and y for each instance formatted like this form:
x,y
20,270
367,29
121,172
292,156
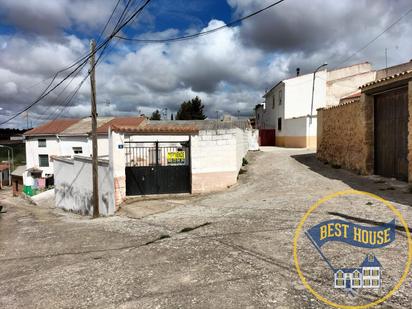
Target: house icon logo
x,y
368,274
360,255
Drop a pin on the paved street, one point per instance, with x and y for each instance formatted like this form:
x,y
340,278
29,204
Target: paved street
x,y
227,250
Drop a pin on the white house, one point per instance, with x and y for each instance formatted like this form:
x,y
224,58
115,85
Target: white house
x,y
66,138
157,157
288,114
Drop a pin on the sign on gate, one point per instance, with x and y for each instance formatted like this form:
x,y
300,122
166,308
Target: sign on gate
x,y
176,157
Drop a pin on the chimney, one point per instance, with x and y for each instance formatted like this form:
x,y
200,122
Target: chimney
x,y
297,71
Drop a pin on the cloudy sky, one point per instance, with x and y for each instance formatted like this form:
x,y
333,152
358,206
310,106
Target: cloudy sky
x,y
229,70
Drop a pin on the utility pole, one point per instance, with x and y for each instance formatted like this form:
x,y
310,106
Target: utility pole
x,y
94,128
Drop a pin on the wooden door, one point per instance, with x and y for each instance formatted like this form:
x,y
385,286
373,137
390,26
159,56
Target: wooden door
x,y
391,134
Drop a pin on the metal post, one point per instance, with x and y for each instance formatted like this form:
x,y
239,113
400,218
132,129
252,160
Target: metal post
x,y
9,164
94,128
8,160
157,153
313,90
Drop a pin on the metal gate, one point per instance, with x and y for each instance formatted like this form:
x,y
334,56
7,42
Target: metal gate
x,y
391,134
157,167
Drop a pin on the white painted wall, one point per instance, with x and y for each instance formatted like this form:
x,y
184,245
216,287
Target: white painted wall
x,y
33,151
298,94
74,189
273,109
296,126
61,146
214,151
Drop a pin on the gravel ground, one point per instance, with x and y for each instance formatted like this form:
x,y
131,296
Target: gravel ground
x,y
231,249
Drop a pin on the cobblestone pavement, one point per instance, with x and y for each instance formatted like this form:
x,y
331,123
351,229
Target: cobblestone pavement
x,y
231,249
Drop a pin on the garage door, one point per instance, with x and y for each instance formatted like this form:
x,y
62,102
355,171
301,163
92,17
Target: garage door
x,y
391,134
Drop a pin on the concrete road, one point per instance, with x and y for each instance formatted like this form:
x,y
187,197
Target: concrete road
x,y
226,250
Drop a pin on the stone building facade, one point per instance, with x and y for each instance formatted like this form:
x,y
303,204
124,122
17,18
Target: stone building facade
x,y
346,133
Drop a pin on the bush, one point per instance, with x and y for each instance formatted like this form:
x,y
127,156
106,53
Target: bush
x,y
244,162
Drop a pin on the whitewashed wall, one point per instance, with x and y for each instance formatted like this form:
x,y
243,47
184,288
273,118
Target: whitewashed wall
x,y
298,94
33,151
73,186
61,146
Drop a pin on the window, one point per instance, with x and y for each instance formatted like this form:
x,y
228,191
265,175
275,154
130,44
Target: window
x,y
366,272
273,103
356,282
375,272
280,97
340,274
41,142
375,282
279,124
356,274
43,160
77,150
340,282
371,258
366,282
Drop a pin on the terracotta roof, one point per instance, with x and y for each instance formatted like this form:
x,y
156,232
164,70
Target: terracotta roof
x,y
159,128
378,81
121,122
84,126
53,127
182,126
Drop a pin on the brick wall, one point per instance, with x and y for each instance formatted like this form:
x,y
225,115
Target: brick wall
x,y
343,135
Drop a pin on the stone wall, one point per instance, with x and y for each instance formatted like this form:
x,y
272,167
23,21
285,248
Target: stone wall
x,y
343,135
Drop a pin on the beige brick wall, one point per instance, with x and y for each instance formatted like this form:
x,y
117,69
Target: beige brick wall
x,y
344,135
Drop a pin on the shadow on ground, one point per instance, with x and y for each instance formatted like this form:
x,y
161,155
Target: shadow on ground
x,y
389,189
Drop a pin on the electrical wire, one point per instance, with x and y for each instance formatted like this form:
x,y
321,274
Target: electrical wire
x,y
195,35
69,100
377,37
84,60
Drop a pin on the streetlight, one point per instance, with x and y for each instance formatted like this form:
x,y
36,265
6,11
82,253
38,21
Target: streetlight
x,y
8,160
313,89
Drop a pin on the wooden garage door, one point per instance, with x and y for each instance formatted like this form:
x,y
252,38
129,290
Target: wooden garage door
x,y
391,134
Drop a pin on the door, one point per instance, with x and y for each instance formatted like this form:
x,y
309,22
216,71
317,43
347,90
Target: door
x,y
391,134
158,168
348,281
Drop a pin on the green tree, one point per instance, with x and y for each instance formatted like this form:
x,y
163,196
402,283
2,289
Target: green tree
x,y
156,115
191,110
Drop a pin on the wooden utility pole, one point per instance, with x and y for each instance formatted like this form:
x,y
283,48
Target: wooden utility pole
x,y
94,128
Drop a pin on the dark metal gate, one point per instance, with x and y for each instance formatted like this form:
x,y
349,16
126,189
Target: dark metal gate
x,y
157,168
391,134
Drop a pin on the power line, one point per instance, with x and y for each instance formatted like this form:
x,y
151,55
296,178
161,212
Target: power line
x,y
377,37
85,59
192,36
69,99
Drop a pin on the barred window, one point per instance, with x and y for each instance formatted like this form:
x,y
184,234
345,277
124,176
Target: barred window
x,y
43,160
41,142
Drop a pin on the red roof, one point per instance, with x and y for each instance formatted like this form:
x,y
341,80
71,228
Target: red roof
x,y
53,127
158,127
121,122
